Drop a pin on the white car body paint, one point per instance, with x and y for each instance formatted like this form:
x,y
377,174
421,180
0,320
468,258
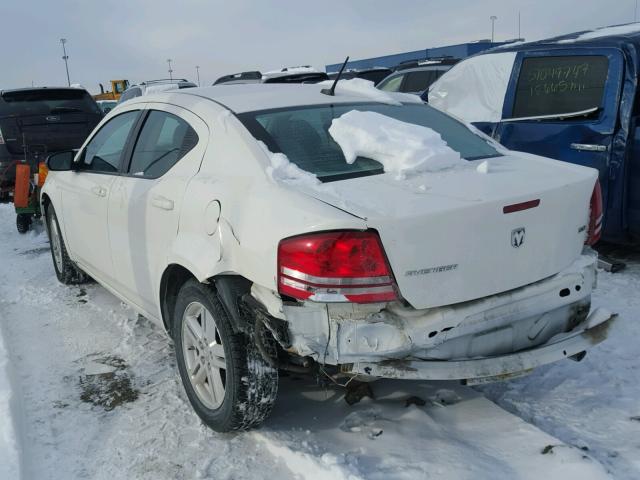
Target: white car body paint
x,y
445,234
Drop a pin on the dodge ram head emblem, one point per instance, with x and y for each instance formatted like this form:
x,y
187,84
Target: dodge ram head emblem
x,y
517,237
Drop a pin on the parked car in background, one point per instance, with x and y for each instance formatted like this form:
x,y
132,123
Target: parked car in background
x,y
375,75
416,76
572,98
285,75
37,121
263,239
155,86
107,105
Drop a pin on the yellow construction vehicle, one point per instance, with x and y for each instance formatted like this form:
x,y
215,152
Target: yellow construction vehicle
x,y
117,87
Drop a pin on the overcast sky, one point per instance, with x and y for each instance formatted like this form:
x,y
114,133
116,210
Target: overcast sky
x,y
133,38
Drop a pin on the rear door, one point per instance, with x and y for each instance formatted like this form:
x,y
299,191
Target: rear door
x,y
547,91
145,203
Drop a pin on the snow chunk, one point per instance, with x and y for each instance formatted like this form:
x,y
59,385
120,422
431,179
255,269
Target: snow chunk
x,y
359,87
284,171
402,148
605,32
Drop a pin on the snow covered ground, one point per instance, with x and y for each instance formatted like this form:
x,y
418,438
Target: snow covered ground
x,y
99,397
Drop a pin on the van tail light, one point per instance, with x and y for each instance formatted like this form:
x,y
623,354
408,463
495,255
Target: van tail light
x,y
595,215
341,266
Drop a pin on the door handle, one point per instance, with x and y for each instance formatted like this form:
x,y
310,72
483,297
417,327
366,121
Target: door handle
x,y
589,147
161,202
99,191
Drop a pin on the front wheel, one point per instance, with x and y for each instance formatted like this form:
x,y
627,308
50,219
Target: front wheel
x,y
66,270
226,380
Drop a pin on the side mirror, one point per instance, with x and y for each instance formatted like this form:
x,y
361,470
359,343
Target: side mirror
x,y
61,161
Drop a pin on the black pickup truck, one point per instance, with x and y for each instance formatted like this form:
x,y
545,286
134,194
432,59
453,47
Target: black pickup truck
x,y
35,122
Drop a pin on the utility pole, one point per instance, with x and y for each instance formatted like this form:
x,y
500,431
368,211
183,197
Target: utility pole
x,y
635,12
519,34
198,73
493,19
170,71
65,57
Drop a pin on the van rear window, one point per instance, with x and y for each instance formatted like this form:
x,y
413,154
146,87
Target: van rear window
x,y
555,85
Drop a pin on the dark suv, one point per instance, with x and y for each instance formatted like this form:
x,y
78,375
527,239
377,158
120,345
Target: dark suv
x,y
37,121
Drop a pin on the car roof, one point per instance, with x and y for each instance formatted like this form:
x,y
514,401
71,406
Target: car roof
x,y
266,96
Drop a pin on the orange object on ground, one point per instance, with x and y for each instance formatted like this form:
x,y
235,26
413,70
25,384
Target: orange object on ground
x,y
21,193
42,173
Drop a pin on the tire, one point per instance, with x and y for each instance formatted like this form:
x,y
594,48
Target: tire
x,y
66,271
249,384
23,222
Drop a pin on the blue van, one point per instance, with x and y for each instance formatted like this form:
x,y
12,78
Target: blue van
x,y
573,98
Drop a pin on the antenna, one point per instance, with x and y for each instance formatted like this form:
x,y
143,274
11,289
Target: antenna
x,y
332,91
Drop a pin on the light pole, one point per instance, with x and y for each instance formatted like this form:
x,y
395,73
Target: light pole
x,y
170,71
635,12
198,73
65,57
493,19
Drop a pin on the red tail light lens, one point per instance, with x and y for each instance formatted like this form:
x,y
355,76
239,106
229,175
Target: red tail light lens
x,y
343,266
595,216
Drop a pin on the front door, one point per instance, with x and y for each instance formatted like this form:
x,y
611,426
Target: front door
x,y
85,195
144,207
563,104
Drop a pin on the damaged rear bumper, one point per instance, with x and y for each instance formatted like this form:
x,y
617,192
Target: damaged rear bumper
x,y
496,336
593,331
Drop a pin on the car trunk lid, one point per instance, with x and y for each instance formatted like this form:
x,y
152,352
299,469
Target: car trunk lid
x,y
463,234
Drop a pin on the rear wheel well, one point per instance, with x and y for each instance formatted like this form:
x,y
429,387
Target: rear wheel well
x,y
172,280
229,288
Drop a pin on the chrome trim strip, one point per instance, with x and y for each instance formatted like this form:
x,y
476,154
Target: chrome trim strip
x,y
334,281
330,290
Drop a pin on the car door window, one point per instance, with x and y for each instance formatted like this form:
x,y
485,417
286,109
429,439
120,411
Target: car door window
x,y
391,85
104,151
163,141
563,84
419,81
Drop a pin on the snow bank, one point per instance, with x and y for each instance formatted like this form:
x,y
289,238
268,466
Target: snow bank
x,y
282,170
605,32
474,89
9,444
359,87
402,148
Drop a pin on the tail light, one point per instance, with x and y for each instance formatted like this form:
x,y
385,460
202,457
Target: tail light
x,y
595,216
342,266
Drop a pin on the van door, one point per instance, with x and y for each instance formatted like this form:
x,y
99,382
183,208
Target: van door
x,y
563,104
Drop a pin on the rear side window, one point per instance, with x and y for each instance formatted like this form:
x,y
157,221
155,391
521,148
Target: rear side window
x,y
47,101
392,84
555,85
104,151
419,81
163,141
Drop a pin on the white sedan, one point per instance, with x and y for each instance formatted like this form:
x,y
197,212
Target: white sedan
x,y
358,234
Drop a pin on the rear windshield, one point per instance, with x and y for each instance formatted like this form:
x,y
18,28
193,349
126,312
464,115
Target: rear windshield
x,y
47,101
302,134
555,85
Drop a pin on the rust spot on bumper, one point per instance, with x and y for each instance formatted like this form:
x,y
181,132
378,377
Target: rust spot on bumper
x,y
599,333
